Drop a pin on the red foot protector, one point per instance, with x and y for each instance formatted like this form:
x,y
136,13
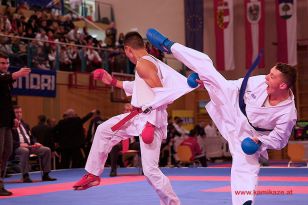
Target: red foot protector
x,y
87,181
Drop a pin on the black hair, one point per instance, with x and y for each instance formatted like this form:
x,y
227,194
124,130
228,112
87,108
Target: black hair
x,y
288,72
134,40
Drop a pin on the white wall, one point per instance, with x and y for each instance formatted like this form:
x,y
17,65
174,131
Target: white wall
x,y
165,15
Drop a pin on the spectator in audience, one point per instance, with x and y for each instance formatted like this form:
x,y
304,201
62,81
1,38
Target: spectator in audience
x,y
52,55
192,143
167,154
93,59
111,34
25,144
6,25
65,62
6,46
73,34
178,125
121,40
46,26
40,57
41,131
50,140
29,35
41,37
70,136
201,138
154,51
120,61
210,129
72,53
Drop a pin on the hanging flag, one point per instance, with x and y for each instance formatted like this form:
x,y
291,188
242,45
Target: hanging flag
x,y
286,16
254,26
194,24
223,12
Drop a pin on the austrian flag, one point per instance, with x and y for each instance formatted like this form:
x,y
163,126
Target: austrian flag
x,y
254,26
286,16
223,15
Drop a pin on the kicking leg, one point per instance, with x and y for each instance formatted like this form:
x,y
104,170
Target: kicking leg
x,y
103,142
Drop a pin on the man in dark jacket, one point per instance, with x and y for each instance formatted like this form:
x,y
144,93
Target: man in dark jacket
x,y
25,145
69,134
6,114
42,132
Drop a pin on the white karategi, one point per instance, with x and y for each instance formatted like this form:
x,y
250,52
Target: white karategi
x,y
142,97
233,125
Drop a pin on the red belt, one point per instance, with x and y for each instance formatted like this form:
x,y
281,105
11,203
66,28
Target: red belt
x,y
132,114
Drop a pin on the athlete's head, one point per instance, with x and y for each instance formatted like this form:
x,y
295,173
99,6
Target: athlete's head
x,y
281,77
133,42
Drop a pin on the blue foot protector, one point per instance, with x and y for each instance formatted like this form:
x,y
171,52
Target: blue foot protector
x,y
159,41
248,202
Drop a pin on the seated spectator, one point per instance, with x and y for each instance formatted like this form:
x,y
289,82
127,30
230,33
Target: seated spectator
x,y
25,144
195,148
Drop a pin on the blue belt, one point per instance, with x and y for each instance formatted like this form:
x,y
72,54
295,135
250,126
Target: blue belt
x,y
242,103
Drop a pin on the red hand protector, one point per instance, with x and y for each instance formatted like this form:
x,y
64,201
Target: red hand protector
x,y
99,73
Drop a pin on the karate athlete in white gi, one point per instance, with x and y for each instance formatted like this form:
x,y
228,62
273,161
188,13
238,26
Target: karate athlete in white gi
x,y
154,80
269,105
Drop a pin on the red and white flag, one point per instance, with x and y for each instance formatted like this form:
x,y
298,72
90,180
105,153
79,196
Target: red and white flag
x,y
223,11
254,25
286,17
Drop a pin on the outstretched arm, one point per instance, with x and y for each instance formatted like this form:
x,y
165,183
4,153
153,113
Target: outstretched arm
x,y
21,73
106,78
103,76
7,77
